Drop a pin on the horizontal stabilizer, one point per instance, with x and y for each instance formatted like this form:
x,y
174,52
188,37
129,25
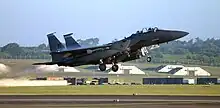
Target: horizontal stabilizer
x,y
46,63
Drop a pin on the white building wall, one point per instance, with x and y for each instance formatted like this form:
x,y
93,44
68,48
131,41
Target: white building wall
x,y
196,70
218,81
132,70
201,72
189,81
182,72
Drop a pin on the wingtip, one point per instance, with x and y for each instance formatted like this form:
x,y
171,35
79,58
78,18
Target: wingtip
x,y
69,34
50,34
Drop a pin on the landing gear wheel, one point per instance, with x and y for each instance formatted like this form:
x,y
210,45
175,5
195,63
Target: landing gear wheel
x,y
148,59
115,68
102,67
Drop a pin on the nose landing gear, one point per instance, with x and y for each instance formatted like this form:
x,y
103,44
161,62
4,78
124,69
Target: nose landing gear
x,y
148,59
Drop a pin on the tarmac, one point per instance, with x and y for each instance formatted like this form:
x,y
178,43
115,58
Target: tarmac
x,y
118,101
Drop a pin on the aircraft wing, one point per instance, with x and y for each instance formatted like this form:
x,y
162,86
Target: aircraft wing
x,y
119,45
83,50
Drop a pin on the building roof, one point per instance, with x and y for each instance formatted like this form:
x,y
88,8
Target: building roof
x,y
168,68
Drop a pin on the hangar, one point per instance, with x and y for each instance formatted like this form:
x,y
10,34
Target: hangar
x,y
183,71
192,71
167,68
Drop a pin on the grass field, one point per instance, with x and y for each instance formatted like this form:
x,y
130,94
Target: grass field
x,y
207,90
173,57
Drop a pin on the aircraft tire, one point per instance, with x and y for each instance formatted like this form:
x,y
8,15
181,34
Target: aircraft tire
x,y
115,68
148,59
102,67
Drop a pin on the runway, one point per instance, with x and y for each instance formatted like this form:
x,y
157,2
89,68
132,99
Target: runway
x,y
82,100
109,97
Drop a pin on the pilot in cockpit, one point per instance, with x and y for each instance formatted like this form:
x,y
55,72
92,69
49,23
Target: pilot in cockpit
x,y
152,29
155,29
144,30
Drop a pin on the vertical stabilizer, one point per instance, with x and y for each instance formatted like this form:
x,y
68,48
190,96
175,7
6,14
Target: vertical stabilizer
x,y
55,46
70,42
54,43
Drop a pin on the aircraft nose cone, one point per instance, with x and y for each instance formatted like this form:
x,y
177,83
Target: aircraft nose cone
x,y
179,34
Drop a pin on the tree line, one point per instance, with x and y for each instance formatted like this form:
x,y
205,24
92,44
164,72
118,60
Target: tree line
x,y
195,50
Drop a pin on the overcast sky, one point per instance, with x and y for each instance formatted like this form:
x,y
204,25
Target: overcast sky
x,y
27,22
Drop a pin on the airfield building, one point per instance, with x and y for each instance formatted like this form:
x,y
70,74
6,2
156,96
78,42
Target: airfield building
x,y
168,68
191,71
126,70
183,71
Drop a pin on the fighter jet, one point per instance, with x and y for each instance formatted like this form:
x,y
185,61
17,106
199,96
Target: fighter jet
x,y
127,49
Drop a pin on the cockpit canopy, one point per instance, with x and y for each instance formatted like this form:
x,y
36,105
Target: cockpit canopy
x,y
145,30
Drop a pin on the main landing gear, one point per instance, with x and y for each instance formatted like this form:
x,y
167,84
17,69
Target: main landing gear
x,y
102,67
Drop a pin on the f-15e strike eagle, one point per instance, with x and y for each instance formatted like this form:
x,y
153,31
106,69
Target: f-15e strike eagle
x,y
127,49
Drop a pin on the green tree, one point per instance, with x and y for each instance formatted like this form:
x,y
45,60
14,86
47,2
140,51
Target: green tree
x,y
13,49
42,46
159,55
89,42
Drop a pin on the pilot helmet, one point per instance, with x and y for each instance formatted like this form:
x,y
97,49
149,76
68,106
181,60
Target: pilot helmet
x,y
155,29
150,29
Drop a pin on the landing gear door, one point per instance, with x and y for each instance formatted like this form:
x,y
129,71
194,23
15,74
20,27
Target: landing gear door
x,y
144,51
153,47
